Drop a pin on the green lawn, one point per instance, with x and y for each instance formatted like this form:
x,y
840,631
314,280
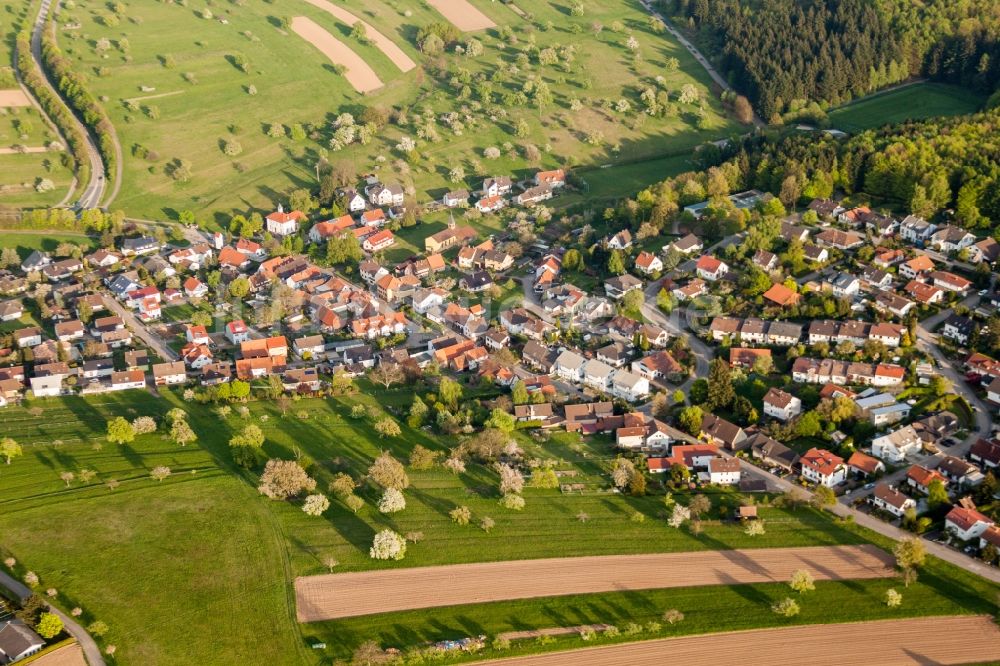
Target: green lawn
x,y
20,173
215,554
913,102
167,41
27,241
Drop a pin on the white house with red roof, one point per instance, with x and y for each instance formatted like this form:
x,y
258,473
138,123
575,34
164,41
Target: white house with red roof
x,y
281,223
648,263
195,288
555,178
711,269
373,218
824,468
197,334
378,241
322,231
237,332
966,523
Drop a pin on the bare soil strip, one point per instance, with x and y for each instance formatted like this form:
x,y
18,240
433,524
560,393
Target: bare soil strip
x,y
356,70
462,15
332,596
384,44
14,97
929,640
23,150
71,655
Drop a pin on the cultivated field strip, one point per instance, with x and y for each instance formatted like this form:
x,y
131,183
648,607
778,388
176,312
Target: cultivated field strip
x,y
462,15
357,72
384,44
332,596
929,640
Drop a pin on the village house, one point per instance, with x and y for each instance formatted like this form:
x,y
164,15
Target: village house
x,y
724,471
950,238
842,240
985,251
455,198
620,241
889,499
772,452
689,244
617,287
720,432
711,269
815,253
766,261
823,371
490,204
958,328
555,178
986,454
864,466
781,405
648,263
379,241
658,366
924,293
132,247
497,186
897,445
893,304
916,230
18,641
782,296
195,288
689,291
390,194
822,467
165,374
534,195
920,478
68,331
324,231
966,523
629,386
448,238
950,282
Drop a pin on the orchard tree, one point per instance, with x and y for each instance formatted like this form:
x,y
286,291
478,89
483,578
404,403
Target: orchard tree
x,y
392,501
388,472
315,505
388,545
10,449
802,581
283,479
120,431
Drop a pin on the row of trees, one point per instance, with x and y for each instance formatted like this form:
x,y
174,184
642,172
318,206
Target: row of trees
x,y
74,88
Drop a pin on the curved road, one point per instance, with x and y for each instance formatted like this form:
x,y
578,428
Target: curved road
x,y
93,191
73,628
693,50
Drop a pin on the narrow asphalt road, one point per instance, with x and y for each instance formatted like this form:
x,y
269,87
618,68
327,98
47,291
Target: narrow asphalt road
x,y
90,649
938,550
93,191
698,55
152,341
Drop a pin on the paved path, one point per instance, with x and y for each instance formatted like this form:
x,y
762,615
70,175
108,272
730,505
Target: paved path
x,y
94,657
332,596
913,642
152,341
693,50
93,191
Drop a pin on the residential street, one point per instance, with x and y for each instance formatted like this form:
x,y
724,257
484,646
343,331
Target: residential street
x,y
152,341
90,648
955,557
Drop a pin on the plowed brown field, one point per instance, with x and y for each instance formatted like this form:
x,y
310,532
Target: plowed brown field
x,y
929,640
332,596
462,14
357,72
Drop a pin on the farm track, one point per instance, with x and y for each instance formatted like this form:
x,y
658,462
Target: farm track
x,y
333,596
930,640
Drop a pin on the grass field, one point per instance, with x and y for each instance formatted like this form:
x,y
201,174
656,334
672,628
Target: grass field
x,y
83,539
913,102
26,241
216,555
190,86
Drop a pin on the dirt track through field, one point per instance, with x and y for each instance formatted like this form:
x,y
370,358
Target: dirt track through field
x,y
923,641
332,596
356,70
384,44
462,15
14,97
